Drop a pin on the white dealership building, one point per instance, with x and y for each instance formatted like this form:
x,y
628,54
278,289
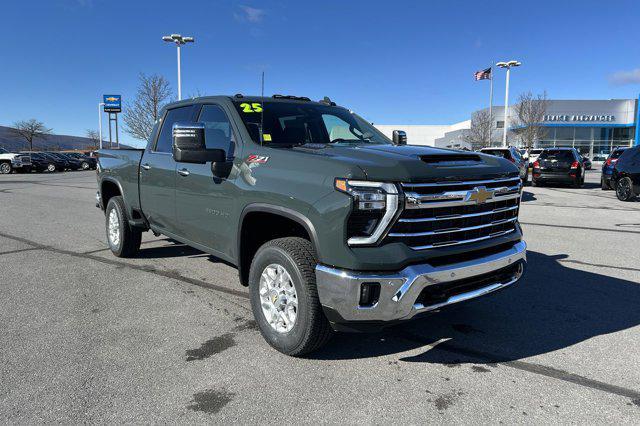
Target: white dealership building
x,y
594,127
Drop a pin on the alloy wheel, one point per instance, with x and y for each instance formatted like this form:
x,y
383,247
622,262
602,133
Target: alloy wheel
x,y
278,298
623,189
114,228
5,168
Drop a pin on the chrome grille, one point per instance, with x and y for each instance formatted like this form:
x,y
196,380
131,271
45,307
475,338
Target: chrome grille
x,y
451,213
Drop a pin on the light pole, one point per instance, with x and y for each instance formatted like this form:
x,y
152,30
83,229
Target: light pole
x,y
508,66
100,122
179,40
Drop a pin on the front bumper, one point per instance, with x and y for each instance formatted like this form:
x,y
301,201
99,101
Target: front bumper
x,y
402,294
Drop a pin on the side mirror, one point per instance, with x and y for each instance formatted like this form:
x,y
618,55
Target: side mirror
x,y
189,144
399,137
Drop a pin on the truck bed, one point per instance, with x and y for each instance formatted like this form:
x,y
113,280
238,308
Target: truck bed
x,y
122,166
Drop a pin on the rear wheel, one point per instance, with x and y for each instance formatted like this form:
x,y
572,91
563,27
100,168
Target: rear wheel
x,y
5,168
624,189
51,167
84,165
284,297
124,241
604,185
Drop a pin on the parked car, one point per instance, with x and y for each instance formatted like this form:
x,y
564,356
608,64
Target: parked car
x,y
13,162
331,225
70,163
607,168
558,165
512,154
533,155
626,174
86,162
587,163
40,163
60,163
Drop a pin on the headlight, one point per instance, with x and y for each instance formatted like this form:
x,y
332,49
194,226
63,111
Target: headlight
x,y
374,206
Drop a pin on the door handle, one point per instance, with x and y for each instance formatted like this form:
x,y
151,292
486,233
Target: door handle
x,y
183,172
146,166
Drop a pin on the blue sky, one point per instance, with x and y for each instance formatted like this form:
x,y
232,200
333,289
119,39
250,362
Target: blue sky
x,y
394,62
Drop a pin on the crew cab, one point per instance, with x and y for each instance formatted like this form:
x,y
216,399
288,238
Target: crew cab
x,y
11,161
331,225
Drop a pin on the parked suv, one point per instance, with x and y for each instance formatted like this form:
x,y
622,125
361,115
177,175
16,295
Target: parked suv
x,y
512,154
558,165
607,168
331,225
626,174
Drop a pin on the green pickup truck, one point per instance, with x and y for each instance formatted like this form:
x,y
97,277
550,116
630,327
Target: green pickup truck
x,y
332,225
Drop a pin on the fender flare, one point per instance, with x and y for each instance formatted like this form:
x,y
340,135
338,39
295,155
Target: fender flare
x,y
294,215
114,181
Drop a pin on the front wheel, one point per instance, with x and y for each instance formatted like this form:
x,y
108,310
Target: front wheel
x,y
5,168
84,165
284,297
624,189
124,241
51,168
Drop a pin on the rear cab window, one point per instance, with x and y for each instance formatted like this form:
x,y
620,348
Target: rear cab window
x,y
504,153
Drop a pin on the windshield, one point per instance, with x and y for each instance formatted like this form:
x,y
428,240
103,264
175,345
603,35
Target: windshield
x,y
297,123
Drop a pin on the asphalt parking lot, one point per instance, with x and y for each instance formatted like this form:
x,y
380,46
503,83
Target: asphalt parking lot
x,y
169,336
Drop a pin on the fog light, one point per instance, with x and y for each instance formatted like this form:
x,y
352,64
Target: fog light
x,y
369,294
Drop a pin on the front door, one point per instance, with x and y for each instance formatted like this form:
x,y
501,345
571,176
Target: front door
x,y
204,203
158,174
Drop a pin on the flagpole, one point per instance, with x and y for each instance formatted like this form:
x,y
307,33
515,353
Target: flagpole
x,y
491,105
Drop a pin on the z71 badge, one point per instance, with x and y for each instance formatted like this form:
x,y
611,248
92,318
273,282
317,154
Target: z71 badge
x,y
256,159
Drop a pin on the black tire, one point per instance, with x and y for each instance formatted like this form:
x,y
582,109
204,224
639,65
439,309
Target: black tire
x,y
534,183
84,166
5,168
605,186
624,189
129,238
578,183
311,329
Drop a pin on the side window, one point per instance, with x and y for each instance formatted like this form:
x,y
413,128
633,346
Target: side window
x,y
218,132
165,140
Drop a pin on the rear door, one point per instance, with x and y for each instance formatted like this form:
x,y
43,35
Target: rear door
x,y
158,174
205,205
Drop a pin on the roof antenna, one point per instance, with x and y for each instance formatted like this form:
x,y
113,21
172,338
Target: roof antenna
x,y
262,112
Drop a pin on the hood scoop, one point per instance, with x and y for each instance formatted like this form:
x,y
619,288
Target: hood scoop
x,y
451,159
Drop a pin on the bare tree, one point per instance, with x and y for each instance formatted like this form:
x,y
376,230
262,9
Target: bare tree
x,y
29,130
479,135
153,92
530,111
94,136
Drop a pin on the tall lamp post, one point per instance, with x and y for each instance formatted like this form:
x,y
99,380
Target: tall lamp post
x,y
179,40
100,122
508,66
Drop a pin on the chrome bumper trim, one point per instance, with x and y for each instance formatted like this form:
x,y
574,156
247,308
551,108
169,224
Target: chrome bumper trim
x,y
339,289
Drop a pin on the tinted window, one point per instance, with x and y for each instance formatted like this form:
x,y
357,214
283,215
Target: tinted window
x,y
218,133
627,155
165,140
557,154
617,153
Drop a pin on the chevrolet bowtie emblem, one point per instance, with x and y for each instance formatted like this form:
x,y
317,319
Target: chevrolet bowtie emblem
x,y
479,194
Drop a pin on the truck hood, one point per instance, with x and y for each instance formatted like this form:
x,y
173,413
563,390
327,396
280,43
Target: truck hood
x,y
411,163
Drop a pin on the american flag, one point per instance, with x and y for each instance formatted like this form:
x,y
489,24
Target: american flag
x,y
483,74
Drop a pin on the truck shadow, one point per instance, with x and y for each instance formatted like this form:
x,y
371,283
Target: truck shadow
x,y
552,308
527,196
